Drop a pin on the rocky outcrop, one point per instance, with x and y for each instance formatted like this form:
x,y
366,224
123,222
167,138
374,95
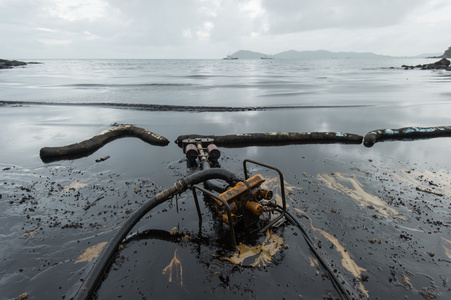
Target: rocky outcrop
x,y
447,53
442,64
8,64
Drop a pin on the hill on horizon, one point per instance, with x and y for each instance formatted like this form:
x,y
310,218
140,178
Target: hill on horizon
x,y
318,54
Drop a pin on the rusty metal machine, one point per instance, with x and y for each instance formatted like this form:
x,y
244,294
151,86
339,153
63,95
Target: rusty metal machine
x,y
246,205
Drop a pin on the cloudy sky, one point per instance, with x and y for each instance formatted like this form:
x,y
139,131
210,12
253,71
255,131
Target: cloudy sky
x,y
215,28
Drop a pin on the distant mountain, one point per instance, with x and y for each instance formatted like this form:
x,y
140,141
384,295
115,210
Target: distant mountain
x,y
446,54
435,55
319,54
245,54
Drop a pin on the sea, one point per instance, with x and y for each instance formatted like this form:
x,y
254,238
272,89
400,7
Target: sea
x,y
235,83
223,96
379,216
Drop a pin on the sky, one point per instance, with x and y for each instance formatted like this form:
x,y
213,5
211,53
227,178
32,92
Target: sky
x,y
196,29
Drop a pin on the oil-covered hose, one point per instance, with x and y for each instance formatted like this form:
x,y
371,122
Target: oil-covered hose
x,y
89,146
276,138
342,291
214,185
95,275
405,133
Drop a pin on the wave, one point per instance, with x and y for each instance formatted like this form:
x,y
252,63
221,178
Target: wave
x,y
122,85
185,108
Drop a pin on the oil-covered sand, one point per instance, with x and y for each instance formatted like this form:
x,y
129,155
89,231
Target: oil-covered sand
x,y
379,216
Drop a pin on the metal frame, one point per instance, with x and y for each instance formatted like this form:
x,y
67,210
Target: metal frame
x,y
226,205
282,189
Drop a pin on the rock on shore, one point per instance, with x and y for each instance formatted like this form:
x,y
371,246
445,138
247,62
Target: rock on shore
x,y
8,64
442,64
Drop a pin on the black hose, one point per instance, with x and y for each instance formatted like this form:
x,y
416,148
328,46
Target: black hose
x,y
91,145
277,138
405,133
213,173
95,275
337,284
212,184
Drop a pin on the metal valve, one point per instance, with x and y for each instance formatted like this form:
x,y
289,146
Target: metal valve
x,y
243,198
196,148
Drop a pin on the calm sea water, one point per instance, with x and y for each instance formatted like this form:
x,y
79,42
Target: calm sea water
x,y
227,83
347,95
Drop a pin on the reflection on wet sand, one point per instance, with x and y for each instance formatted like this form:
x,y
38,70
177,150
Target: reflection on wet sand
x,y
358,193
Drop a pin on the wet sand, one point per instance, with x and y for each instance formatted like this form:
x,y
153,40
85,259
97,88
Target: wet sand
x,y
379,216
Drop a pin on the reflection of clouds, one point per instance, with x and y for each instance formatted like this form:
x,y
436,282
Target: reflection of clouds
x,y
232,122
27,129
324,126
251,151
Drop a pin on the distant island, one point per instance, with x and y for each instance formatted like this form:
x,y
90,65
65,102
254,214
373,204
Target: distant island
x,y
318,54
323,54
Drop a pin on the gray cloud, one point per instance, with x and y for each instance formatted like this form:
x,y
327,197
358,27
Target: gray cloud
x,y
295,16
211,29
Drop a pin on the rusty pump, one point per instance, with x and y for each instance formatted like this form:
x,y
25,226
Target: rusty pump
x,y
241,205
